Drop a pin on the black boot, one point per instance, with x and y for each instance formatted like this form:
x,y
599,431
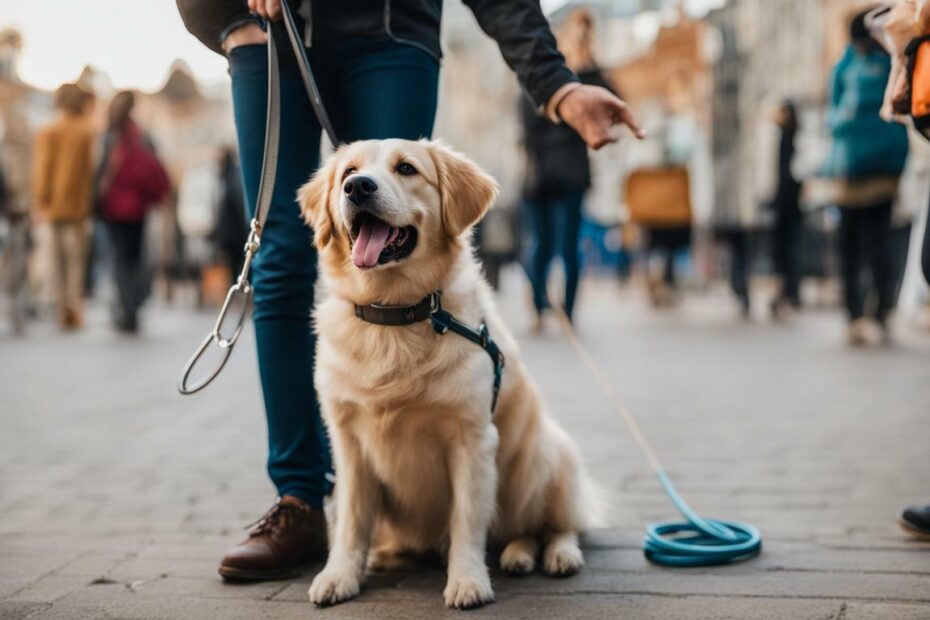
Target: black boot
x,y
916,521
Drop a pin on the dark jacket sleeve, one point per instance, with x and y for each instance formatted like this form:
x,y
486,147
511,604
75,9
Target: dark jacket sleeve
x,y
527,44
594,77
211,20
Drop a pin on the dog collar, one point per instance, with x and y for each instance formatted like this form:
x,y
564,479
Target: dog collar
x,y
399,315
430,307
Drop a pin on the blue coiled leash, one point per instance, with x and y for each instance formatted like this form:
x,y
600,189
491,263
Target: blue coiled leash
x,y
695,542
710,543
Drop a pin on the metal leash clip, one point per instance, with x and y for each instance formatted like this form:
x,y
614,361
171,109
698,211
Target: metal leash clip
x,y
239,294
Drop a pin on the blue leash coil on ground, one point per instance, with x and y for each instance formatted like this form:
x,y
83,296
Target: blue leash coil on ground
x,y
695,542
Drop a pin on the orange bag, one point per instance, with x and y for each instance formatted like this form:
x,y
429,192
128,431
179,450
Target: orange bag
x,y
918,72
214,280
659,197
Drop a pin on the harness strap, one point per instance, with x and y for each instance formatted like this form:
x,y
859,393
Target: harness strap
x,y
444,322
430,307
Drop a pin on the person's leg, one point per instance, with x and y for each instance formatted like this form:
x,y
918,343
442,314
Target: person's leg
x,y
380,89
792,259
668,268
138,284
537,215
877,221
80,238
739,268
121,273
849,261
283,276
780,241
570,206
57,259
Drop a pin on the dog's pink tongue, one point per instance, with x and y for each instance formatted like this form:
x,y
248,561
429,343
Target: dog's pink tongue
x,y
371,241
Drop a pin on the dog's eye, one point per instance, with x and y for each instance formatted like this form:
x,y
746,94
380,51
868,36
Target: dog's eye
x,y
405,169
348,171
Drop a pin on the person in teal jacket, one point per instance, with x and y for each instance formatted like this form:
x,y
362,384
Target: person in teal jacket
x,y
867,158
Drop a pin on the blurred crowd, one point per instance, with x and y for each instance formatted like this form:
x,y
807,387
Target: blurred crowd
x,y
80,230
855,189
833,228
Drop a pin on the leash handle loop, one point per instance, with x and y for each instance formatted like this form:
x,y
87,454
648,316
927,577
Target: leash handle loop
x,y
241,292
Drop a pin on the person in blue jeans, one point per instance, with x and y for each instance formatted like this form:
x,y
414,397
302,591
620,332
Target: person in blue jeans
x,y
558,174
377,66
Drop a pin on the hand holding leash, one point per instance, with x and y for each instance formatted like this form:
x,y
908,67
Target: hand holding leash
x,y
268,9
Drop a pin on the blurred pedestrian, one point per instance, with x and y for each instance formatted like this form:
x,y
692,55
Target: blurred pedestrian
x,y
786,207
231,228
14,254
557,175
130,180
868,155
378,73
62,188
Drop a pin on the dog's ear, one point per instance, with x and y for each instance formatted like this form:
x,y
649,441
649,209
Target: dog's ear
x,y
465,190
313,199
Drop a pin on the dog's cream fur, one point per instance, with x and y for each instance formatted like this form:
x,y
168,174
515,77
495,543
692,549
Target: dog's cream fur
x,y
422,465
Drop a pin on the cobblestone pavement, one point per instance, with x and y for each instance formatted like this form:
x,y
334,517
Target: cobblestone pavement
x,y
117,496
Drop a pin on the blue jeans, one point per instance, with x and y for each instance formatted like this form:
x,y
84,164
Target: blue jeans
x,y
552,220
372,88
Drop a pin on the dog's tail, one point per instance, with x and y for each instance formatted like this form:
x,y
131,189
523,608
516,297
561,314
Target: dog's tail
x,y
587,505
594,502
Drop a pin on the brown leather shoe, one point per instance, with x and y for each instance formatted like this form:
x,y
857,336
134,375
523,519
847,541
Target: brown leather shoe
x,y
289,535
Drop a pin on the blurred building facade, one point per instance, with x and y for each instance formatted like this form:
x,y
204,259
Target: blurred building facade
x,y
768,52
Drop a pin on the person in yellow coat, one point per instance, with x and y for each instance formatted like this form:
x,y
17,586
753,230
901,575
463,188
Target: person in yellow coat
x,y
62,186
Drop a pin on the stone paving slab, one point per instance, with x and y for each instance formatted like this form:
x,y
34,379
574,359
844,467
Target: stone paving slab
x,y
117,496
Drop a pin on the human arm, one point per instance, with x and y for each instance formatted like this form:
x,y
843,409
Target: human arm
x,y
529,48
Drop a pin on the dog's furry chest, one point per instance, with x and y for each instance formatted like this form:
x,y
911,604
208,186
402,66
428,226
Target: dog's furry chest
x,y
388,367
406,396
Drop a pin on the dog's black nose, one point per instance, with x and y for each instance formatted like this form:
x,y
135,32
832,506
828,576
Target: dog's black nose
x,y
359,189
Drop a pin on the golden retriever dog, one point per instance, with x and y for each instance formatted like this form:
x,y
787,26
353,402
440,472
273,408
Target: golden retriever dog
x,y
423,465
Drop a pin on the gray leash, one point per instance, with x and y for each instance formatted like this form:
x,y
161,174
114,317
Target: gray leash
x,y
228,327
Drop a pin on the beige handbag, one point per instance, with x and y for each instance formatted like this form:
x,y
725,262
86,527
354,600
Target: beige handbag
x,y
865,193
659,197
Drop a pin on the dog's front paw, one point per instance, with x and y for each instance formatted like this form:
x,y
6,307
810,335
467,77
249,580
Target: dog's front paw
x,y
332,586
519,557
469,591
562,556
